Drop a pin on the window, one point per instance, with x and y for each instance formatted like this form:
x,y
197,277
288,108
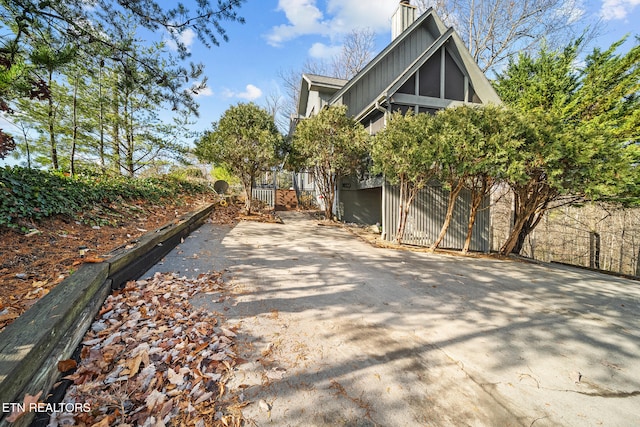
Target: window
x,y
409,87
430,77
473,96
454,80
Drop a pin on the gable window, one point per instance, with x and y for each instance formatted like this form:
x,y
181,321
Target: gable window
x,y
409,87
429,77
473,96
454,80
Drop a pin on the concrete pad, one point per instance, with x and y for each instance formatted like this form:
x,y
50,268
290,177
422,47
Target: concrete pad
x,y
337,332
200,252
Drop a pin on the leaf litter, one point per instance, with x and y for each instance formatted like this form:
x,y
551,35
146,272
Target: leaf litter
x,y
151,359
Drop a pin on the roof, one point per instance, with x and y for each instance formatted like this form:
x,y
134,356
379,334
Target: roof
x,y
381,79
317,82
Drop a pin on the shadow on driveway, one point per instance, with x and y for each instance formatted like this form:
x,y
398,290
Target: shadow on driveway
x,y
340,333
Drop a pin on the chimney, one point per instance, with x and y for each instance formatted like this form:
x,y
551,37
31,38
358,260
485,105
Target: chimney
x,y
405,16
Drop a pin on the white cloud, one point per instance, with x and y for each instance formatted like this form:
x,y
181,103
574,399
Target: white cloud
x,y
204,92
340,17
351,14
572,10
304,18
322,51
251,93
617,9
186,37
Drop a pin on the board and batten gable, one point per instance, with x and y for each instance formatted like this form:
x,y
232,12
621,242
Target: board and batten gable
x,y
444,76
392,62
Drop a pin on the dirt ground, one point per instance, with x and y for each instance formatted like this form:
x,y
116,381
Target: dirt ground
x,y
32,264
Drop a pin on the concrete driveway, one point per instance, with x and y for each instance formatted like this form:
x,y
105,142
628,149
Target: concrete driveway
x,y
338,333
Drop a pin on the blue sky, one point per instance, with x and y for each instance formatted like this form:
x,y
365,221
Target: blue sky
x,y
282,34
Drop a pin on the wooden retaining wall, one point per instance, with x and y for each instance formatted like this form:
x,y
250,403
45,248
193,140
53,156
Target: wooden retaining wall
x,y
50,331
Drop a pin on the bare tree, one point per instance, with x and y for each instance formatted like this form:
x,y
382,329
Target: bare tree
x,y
274,103
357,50
494,30
356,53
291,80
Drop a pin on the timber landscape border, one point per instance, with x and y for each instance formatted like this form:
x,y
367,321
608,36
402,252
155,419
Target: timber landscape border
x,y
52,329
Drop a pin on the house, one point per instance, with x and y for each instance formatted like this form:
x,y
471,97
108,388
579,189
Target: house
x,y
425,68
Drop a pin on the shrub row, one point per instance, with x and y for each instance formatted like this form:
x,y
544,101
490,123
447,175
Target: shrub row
x,y
31,194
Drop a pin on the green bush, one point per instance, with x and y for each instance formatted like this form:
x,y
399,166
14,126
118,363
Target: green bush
x,y
30,194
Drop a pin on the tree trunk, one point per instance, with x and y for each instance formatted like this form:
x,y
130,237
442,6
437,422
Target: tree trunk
x,y
326,182
115,129
522,236
638,262
594,250
624,228
329,199
408,193
404,211
74,137
530,224
128,135
26,145
530,205
101,119
131,164
247,183
476,200
453,196
52,136
524,212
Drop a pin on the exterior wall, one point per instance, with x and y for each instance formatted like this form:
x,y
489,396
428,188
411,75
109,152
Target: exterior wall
x,y
313,104
304,182
426,216
361,206
317,100
387,70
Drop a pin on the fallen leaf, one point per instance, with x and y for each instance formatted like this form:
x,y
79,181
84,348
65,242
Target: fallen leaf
x,y
93,260
228,332
102,423
67,365
9,316
134,365
204,397
166,408
107,308
155,398
175,378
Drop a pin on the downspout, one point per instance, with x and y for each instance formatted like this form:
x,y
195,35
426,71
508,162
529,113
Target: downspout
x,y
385,111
